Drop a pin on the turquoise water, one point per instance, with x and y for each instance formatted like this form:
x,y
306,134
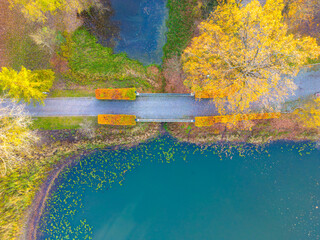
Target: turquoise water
x,y
169,190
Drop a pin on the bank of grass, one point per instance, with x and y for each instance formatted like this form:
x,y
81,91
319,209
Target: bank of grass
x,y
60,123
92,63
72,93
18,189
262,131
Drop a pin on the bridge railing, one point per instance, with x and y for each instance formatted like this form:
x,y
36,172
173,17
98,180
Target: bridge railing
x,y
164,94
164,120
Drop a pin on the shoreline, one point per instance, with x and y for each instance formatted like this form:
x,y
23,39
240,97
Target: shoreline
x,y
35,211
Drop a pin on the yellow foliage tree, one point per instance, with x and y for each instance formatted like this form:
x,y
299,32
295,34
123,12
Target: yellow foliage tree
x,y
244,55
309,114
36,10
298,11
26,84
16,138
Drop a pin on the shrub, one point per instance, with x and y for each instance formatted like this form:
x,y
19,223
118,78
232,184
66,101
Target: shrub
x,y
116,94
231,119
114,119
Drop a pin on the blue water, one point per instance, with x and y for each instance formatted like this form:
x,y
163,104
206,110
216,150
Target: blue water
x,y
142,28
169,190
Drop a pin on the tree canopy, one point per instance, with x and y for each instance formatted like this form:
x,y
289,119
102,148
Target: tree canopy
x,y
245,54
36,10
26,85
16,138
309,114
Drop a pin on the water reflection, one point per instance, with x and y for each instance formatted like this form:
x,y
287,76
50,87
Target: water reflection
x,y
136,27
98,21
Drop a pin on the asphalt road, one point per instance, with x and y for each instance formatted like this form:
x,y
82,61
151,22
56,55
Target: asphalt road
x,y
142,107
155,106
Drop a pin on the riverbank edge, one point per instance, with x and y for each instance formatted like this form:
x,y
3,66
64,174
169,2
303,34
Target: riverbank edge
x,y
33,214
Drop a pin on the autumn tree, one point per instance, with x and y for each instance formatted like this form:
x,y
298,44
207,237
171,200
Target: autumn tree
x,y
26,85
36,10
46,38
16,138
309,113
244,55
298,11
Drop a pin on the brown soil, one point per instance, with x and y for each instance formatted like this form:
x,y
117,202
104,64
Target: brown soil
x,y
172,72
59,64
38,205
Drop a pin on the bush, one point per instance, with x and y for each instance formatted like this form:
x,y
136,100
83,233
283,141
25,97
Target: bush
x,y
120,119
231,119
116,94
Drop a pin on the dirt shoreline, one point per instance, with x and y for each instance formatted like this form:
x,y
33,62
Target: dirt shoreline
x,y
33,216
36,209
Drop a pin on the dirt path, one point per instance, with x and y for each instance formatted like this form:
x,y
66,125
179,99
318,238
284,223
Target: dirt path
x,y
33,217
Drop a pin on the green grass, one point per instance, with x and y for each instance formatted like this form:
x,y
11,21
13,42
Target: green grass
x,y
72,93
59,123
182,15
90,62
313,61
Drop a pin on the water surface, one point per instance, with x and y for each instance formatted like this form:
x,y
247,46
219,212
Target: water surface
x,y
136,27
142,28
168,190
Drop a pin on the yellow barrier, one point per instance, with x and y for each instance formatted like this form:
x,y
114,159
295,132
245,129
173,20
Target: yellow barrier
x,y
117,119
211,120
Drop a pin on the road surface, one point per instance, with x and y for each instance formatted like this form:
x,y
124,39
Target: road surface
x,y
143,107
155,106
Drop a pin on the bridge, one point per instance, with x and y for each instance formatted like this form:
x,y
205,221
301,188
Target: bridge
x,y
156,107
152,107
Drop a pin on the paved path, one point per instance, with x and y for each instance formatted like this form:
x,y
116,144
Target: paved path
x,y
143,107
155,106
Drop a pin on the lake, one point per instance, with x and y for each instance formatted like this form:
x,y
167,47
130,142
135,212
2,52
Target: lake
x,y
164,189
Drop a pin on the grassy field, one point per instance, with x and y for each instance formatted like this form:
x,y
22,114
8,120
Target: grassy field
x,y
72,93
93,64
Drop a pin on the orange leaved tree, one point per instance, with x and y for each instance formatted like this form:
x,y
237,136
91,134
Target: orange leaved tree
x,y
245,54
